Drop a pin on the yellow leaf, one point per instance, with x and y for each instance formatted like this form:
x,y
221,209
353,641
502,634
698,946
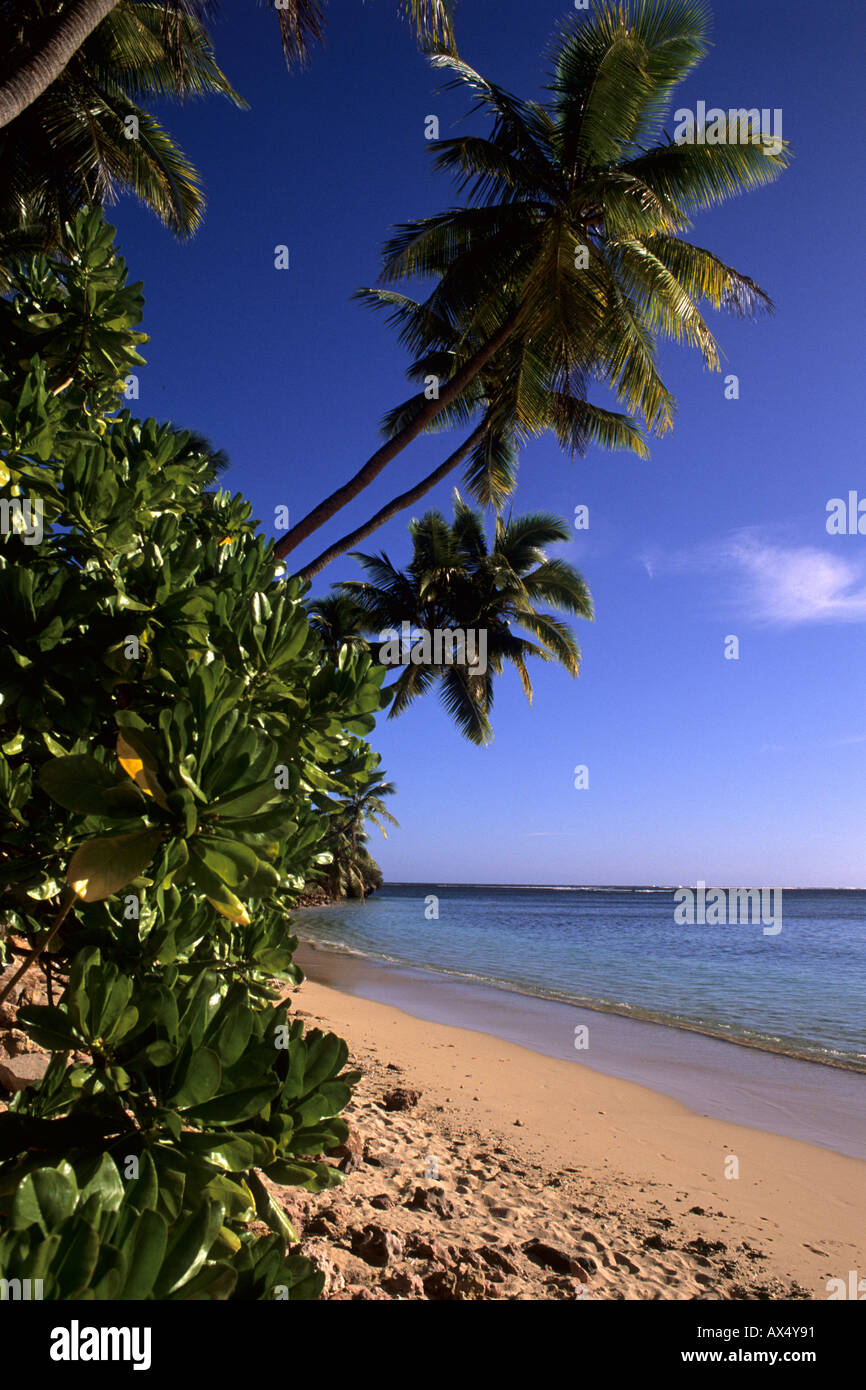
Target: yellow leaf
x,y
141,775
134,766
232,908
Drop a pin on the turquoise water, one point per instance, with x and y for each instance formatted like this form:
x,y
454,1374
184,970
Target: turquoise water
x,y
800,991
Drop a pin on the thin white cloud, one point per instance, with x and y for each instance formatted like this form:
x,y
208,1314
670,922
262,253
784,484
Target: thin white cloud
x,y
800,585
775,583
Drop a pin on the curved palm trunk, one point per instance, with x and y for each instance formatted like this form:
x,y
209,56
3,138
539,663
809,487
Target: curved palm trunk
x,y
388,451
396,504
37,72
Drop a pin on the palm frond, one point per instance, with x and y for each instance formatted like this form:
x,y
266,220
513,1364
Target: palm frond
x,y
693,178
705,276
559,583
491,472
468,700
432,20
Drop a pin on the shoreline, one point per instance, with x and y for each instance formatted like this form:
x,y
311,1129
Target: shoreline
x,y
503,1154
719,1078
627,1011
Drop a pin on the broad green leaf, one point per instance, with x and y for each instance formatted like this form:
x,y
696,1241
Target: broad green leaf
x,y
201,1079
270,1212
49,1027
189,1249
244,803
216,1282
145,1253
76,1259
231,861
227,1151
79,783
101,867
234,1107
106,1183
43,1198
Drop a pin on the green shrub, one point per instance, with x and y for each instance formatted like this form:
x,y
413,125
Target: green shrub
x,y
173,742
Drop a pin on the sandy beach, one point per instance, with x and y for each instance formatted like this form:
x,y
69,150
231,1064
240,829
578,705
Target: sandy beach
x,y
480,1168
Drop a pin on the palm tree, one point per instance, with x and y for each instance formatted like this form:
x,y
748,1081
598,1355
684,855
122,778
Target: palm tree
x,y
196,445
353,873
368,806
39,57
87,138
339,623
573,240
454,581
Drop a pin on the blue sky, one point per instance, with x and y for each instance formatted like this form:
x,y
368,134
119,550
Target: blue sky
x,y
750,771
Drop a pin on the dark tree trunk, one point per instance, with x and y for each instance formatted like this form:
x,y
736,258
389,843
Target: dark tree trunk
x,y
388,451
39,70
396,504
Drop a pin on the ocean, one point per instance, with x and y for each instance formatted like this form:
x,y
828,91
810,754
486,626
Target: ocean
x,y
800,990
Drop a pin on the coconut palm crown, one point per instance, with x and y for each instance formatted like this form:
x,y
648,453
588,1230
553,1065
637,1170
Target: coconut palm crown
x,y
574,232
567,258
88,139
455,580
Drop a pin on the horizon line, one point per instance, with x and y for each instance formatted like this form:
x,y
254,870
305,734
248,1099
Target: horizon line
x,y
611,887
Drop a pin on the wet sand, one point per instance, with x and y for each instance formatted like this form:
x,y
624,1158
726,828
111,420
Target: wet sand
x,y
724,1080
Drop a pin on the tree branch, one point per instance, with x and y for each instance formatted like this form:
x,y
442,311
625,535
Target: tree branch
x,y
37,950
